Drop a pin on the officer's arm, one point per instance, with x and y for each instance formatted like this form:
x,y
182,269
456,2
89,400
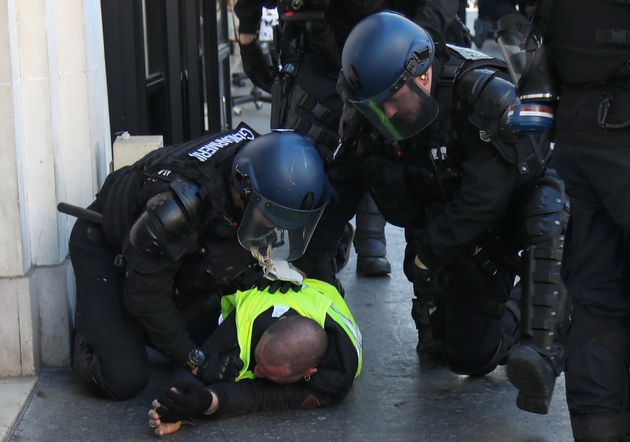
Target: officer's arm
x,y
331,225
153,252
148,296
223,337
486,189
249,13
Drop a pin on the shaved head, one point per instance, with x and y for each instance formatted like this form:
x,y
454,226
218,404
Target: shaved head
x,y
290,348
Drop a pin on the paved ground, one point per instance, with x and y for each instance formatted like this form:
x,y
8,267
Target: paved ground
x,y
398,397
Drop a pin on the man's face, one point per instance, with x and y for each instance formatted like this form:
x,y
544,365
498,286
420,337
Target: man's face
x,y
406,105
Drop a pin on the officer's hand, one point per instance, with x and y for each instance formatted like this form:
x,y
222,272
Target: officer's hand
x,y
221,366
458,34
187,399
351,124
274,286
423,283
255,65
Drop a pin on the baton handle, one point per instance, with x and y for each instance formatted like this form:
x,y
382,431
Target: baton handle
x,y
80,212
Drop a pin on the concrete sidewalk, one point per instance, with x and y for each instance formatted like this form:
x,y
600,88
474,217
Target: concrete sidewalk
x,y
398,397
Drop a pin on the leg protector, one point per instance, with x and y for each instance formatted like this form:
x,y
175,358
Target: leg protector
x,y
369,241
544,301
535,364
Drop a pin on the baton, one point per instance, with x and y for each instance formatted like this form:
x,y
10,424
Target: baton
x,y
80,212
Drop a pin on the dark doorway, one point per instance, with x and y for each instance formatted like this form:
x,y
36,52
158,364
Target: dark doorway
x,y
168,68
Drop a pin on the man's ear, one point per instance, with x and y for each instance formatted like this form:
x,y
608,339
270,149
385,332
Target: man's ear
x,y
310,372
424,80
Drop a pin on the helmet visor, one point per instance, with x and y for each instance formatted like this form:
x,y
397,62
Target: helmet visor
x,y
276,231
401,113
512,40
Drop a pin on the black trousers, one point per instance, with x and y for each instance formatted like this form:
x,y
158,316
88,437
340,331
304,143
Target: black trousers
x,y
472,339
117,341
596,273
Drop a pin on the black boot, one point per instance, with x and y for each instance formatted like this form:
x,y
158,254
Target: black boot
x,y
428,342
534,376
85,366
369,240
343,247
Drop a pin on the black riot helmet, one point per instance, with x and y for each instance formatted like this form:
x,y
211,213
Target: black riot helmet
x,y
382,59
280,178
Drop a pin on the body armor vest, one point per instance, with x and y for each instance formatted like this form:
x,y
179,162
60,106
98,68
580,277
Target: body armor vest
x,y
414,178
200,161
589,39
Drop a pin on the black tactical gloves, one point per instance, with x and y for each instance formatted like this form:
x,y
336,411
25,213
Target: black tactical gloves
x,y
222,366
423,283
189,400
274,286
255,65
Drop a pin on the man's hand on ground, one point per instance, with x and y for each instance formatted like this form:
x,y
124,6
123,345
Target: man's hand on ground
x,y
187,399
161,428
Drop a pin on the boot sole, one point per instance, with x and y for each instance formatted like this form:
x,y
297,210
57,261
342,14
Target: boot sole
x,y
534,395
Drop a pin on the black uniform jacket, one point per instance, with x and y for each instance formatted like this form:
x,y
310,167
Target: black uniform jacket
x,y
329,385
444,221
161,292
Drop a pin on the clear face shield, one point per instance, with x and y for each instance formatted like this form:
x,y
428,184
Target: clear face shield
x,y
531,69
402,111
272,231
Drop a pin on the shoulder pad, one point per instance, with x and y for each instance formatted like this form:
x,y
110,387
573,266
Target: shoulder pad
x,y
487,92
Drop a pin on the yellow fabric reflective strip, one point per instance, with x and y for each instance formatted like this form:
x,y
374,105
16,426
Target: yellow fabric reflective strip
x,y
353,330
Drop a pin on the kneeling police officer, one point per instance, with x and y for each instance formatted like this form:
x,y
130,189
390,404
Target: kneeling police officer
x,y
469,192
178,231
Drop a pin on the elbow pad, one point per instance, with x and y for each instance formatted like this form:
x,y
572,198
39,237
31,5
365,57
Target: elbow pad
x,y
167,227
491,96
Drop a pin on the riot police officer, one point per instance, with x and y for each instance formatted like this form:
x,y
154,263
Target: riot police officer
x,y
443,166
176,234
590,51
304,93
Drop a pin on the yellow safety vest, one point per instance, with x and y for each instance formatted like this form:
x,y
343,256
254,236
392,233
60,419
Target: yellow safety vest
x,y
315,300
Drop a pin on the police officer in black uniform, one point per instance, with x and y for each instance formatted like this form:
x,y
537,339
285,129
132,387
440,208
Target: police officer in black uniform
x,y
176,234
489,12
443,165
589,42
304,95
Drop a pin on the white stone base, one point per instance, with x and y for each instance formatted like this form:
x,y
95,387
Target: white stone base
x,y
35,320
